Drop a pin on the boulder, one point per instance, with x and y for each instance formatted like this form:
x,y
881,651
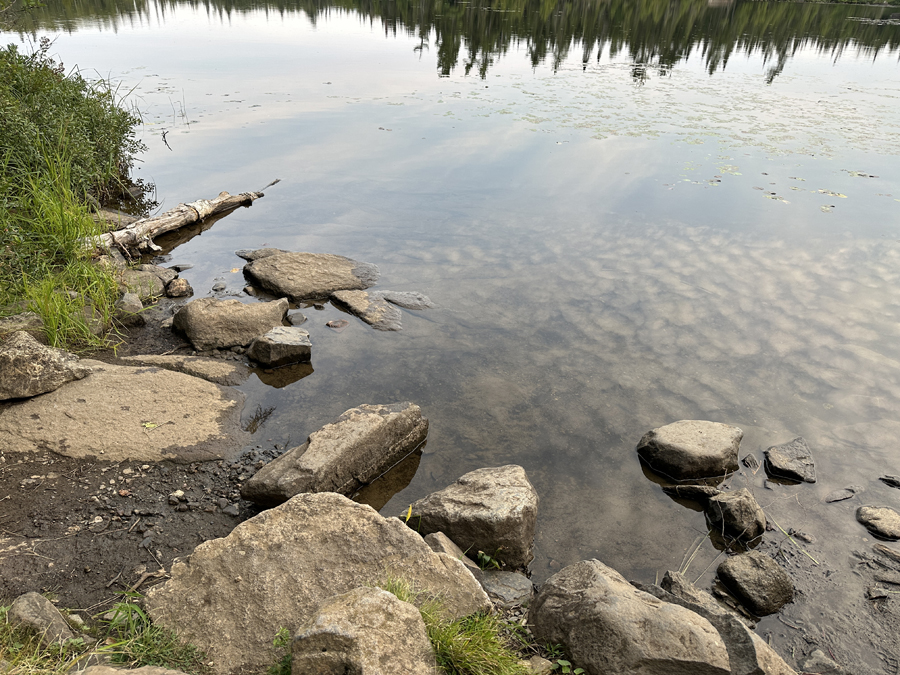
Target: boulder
x,y
165,274
146,285
747,653
691,449
493,510
302,276
255,254
366,631
441,543
507,589
210,323
356,448
274,569
226,373
736,514
28,368
881,521
791,460
757,581
179,288
609,626
281,346
296,318
128,310
28,322
370,307
34,611
122,412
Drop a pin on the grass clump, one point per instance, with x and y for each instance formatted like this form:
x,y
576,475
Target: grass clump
x,y
65,142
473,645
134,641
24,653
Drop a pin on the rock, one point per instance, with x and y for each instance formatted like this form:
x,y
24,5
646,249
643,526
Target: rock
x,y
817,662
492,510
226,373
678,585
128,310
122,412
281,346
219,286
507,589
146,285
28,368
750,462
747,653
356,448
274,570
366,630
37,613
890,481
881,521
538,665
791,460
301,276
210,323
28,322
441,543
736,514
296,318
757,581
408,299
841,495
370,307
164,274
251,255
695,493
179,288
609,626
691,449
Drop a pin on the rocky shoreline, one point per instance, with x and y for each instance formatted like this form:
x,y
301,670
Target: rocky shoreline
x,y
276,543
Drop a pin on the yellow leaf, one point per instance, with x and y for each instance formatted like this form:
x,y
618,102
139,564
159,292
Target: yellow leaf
x,y
235,269
409,513
149,425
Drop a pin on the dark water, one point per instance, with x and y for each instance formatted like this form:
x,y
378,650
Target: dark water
x,y
628,213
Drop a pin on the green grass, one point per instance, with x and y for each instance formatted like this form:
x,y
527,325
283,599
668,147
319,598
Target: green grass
x,y
66,141
473,645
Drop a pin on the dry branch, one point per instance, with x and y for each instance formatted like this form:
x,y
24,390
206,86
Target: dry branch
x,y
141,233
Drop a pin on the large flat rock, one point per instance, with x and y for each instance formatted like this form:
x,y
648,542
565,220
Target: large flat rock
x,y
125,413
227,373
231,595
300,276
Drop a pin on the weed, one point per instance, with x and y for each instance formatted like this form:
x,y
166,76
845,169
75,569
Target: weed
x,y
133,640
472,645
487,562
282,643
23,652
564,666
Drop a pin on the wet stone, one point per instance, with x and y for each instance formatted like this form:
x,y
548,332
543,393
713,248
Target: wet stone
x,y
891,481
792,460
281,346
840,495
881,521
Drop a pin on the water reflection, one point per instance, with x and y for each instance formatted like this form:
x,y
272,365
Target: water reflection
x,y
656,34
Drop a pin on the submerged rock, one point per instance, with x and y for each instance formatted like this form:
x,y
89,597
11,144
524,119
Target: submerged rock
x,y
356,448
210,323
881,521
757,581
226,373
695,493
408,299
370,307
366,630
792,460
301,276
691,449
609,626
278,567
28,368
493,510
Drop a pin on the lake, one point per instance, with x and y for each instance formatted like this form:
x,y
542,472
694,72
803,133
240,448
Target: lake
x,y
627,214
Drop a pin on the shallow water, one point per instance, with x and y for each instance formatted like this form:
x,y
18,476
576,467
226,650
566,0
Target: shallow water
x,y
614,242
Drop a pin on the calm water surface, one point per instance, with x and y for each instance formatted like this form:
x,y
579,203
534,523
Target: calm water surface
x,y
627,213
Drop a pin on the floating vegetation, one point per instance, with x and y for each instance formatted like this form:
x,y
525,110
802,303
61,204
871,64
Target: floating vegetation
x,y
859,174
832,194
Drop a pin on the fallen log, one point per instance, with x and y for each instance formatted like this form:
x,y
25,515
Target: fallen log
x,y
140,234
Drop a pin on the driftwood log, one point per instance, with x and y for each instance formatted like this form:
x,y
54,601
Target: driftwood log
x,y
140,234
